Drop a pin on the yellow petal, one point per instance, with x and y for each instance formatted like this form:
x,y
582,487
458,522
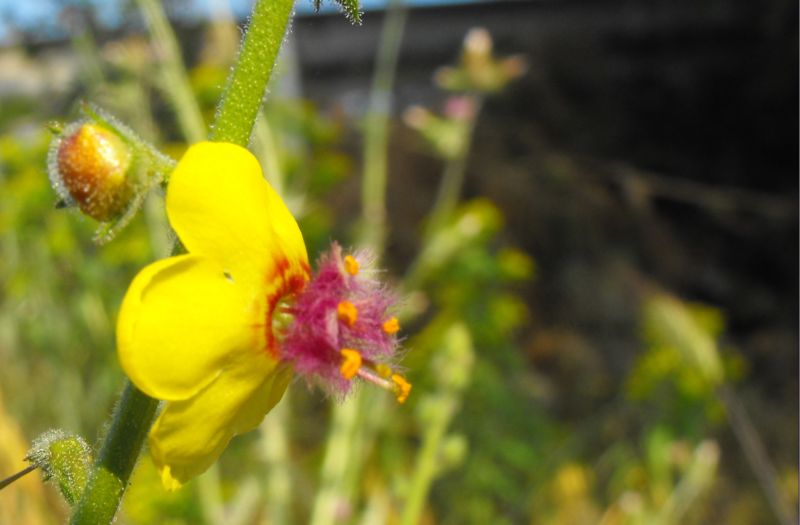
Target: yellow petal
x,y
181,322
190,435
221,207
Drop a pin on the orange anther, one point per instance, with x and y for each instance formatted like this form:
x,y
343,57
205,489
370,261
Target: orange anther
x,y
348,314
351,266
350,364
391,326
401,388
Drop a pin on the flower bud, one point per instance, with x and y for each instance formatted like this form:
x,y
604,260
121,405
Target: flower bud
x,y
479,71
477,52
448,136
89,166
65,459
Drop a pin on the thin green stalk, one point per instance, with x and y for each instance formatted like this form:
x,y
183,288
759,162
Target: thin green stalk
x,y
159,233
247,83
373,404
376,129
349,435
267,152
175,81
378,507
135,411
454,363
130,423
452,182
161,238
697,479
338,456
427,459
444,207
274,445
756,454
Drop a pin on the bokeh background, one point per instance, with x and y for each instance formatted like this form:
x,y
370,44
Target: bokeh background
x,y
602,329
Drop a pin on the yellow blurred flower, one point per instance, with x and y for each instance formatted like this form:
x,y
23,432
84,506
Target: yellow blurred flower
x,y
196,330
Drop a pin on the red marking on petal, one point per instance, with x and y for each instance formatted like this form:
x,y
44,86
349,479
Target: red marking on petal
x,y
290,280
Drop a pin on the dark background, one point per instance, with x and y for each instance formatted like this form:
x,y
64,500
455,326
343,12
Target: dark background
x,y
655,135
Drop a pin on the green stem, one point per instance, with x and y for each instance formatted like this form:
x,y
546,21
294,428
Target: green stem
x,y
247,82
426,465
175,80
457,355
697,479
376,128
373,404
350,435
274,444
452,179
338,455
131,421
444,207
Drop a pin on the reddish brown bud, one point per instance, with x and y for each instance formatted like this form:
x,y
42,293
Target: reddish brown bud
x,y
89,166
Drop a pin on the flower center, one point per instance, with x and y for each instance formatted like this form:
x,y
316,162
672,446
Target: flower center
x,y
279,311
341,328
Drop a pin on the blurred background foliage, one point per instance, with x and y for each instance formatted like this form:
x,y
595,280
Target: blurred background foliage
x,y
558,378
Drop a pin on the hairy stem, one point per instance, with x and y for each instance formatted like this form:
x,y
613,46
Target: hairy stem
x,y
247,83
130,423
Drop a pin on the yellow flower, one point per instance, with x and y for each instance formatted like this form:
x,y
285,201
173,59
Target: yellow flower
x,y
195,330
